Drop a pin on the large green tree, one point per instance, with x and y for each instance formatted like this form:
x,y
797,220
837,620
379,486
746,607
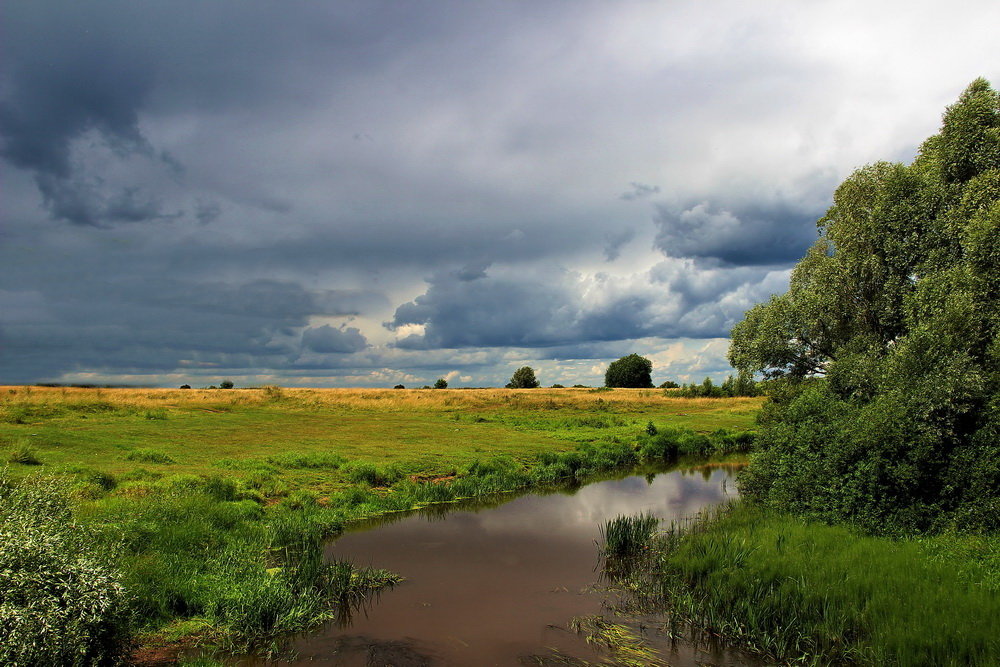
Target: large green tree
x,y
888,413
523,378
629,371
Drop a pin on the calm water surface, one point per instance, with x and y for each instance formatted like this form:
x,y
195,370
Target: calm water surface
x,y
498,585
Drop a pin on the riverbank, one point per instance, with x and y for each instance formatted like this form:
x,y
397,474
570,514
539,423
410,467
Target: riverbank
x,y
805,592
205,511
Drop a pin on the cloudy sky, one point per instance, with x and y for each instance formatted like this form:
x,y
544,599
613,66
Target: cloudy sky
x,y
364,193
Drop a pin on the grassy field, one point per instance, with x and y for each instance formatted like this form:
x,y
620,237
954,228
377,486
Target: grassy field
x,y
424,432
178,516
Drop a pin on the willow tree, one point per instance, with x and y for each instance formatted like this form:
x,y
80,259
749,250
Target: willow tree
x,y
887,339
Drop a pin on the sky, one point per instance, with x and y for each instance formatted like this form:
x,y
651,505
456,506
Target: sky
x,y
370,193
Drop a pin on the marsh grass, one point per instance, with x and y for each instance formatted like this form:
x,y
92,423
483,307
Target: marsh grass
x,y
24,454
628,536
808,592
147,455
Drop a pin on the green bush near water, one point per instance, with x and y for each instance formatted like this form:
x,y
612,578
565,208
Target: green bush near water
x,y
61,603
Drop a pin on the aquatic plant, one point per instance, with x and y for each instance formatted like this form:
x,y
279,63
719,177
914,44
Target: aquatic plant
x,y
628,536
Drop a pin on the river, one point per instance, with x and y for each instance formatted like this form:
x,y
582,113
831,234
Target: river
x,y
496,583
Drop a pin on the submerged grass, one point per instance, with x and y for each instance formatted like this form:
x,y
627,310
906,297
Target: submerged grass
x,y
812,593
625,647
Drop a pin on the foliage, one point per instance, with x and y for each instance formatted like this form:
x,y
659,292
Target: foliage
x,y
888,343
523,378
60,602
741,385
629,371
440,383
226,384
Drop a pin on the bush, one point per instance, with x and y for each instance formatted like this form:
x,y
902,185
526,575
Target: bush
x,y
59,605
399,386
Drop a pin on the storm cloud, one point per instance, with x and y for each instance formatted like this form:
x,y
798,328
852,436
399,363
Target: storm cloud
x,y
359,192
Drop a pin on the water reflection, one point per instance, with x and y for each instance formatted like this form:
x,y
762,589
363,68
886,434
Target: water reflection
x,y
489,584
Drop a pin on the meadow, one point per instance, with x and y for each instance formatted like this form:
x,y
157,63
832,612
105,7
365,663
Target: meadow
x,y
184,517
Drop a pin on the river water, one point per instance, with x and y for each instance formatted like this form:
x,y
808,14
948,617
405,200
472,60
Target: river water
x,y
497,583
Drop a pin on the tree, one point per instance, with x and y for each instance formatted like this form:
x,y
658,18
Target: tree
x,y
630,371
226,384
886,346
399,386
523,378
441,383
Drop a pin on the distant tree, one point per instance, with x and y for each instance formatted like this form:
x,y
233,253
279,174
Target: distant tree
x,y
669,384
399,386
558,386
441,384
185,386
226,384
523,378
630,371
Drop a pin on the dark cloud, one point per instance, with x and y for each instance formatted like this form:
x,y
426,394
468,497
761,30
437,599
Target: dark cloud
x,y
614,242
750,233
252,188
545,308
327,339
639,191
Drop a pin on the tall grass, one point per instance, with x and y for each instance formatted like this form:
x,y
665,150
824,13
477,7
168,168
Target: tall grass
x,y
798,591
628,536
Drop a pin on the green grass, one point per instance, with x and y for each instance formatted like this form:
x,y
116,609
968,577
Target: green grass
x,y
210,508
809,592
306,435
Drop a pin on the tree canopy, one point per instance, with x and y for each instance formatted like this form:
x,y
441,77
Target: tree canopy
x,y
887,341
523,378
629,371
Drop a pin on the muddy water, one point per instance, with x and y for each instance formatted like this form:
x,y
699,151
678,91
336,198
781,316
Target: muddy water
x,y
498,585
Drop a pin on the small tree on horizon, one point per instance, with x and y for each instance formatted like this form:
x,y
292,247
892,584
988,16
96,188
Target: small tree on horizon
x,y
631,371
523,378
441,384
226,384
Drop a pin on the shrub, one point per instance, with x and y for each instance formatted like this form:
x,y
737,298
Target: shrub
x,y
399,386
185,386
59,605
